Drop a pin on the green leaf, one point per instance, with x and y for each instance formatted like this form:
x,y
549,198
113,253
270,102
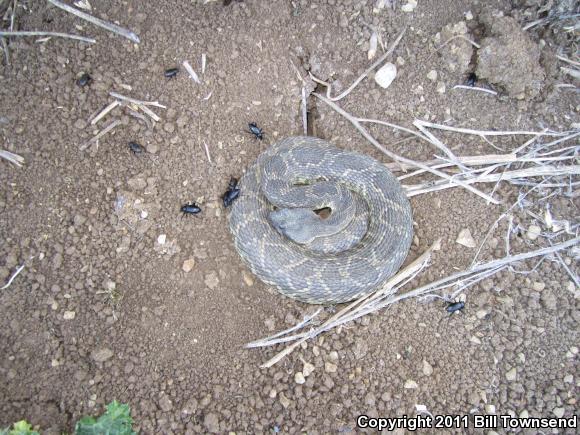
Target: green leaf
x,y
21,427
115,421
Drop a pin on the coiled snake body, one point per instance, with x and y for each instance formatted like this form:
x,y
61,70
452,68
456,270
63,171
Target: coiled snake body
x,y
318,260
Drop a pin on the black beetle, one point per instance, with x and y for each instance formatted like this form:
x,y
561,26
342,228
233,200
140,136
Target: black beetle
x,y
471,79
192,208
255,130
232,193
136,148
84,80
171,72
454,307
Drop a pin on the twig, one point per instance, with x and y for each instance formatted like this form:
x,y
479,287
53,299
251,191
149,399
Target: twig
x,y
191,72
104,131
13,15
541,171
365,74
5,50
371,139
12,277
55,34
467,160
490,265
97,21
12,158
492,132
149,112
304,111
476,45
475,88
138,102
410,270
567,269
207,151
435,141
565,59
304,322
103,112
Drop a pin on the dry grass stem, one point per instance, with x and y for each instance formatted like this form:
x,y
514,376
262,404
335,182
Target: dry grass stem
x,y
97,21
492,132
12,158
307,319
364,75
100,134
349,313
12,277
191,72
475,88
540,171
304,111
138,102
104,112
207,151
55,34
372,140
5,50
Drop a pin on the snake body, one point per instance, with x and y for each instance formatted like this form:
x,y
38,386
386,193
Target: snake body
x,y
319,260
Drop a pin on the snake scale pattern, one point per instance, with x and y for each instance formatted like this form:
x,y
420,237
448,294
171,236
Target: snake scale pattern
x,y
310,257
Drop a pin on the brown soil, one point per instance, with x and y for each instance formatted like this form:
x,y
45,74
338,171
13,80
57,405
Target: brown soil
x,y
170,343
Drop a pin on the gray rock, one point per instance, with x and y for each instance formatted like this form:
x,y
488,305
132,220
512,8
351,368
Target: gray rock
x,y
211,422
102,355
165,404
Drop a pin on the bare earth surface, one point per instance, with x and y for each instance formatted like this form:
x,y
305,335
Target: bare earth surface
x,y
104,311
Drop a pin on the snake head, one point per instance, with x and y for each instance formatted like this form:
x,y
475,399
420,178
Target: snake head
x,y
298,224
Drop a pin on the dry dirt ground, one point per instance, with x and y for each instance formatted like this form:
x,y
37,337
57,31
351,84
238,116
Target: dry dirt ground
x,y
102,311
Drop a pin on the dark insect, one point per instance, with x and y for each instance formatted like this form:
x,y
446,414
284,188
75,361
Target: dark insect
x,y
136,148
232,193
471,79
84,80
453,307
171,72
255,130
192,208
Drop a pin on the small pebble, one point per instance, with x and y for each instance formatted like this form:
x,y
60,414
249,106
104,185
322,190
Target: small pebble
x,y
284,401
440,88
432,75
330,367
299,378
307,369
385,75
410,384
475,340
409,6
512,374
481,314
490,409
188,265
538,286
248,280
69,315
161,239
533,232
102,355
559,412
464,238
427,368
